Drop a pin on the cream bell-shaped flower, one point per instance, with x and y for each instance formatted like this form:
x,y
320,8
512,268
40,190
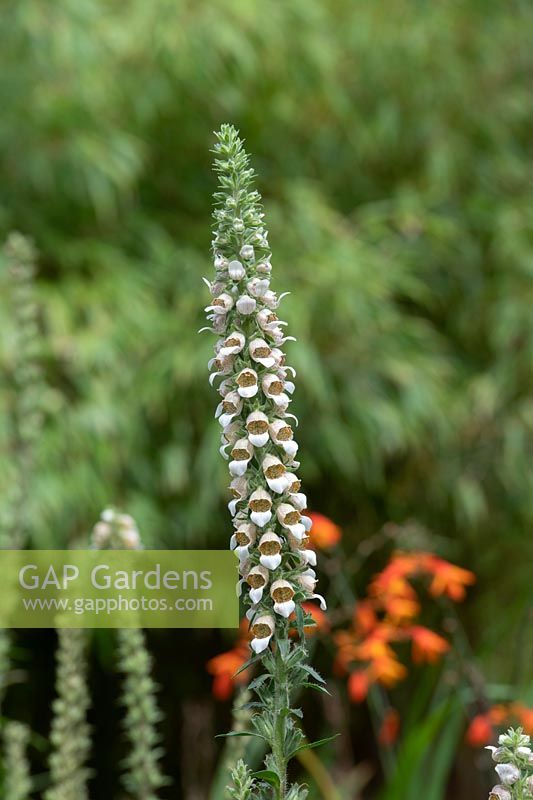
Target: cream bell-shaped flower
x,y
247,385
264,267
221,304
257,579
246,305
299,501
260,352
257,427
258,286
260,505
230,406
278,356
266,319
270,548
221,263
308,581
272,385
215,287
307,556
262,630
500,793
220,366
236,270
247,252
243,539
294,484
281,434
239,490
289,517
282,593
232,344
274,472
508,773
241,455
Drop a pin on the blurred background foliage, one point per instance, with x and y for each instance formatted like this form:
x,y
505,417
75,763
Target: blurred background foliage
x,y
393,146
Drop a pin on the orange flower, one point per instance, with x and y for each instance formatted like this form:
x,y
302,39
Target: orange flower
x,y
480,731
365,617
525,717
390,728
388,671
324,533
428,646
401,609
358,686
449,579
224,666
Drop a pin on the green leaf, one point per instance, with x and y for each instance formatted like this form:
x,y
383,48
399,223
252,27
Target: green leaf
x,y
239,733
312,745
314,674
267,775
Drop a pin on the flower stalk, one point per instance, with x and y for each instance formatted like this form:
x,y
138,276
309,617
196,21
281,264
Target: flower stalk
x,y
142,776
70,734
17,782
271,526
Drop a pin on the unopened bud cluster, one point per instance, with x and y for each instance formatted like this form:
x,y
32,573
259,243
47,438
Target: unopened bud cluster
x,y
115,531
514,766
271,527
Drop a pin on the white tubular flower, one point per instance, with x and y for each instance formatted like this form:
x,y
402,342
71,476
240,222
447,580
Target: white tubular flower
x,y
299,501
247,382
308,581
266,319
273,388
270,549
497,753
247,252
262,630
257,579
232,344
307,556
281,434
236,270
241,455
270,299
508,773
229,408
282,593
258,286
265,267
260,505
239,489
215,287
294,484
500,793
278,356
274,472
221,304
231,433
220,366
289,517
246,305
260,352
257,427
242,539
220,263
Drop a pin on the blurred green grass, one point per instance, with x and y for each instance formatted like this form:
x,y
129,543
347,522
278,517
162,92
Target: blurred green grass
x,y
393,146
